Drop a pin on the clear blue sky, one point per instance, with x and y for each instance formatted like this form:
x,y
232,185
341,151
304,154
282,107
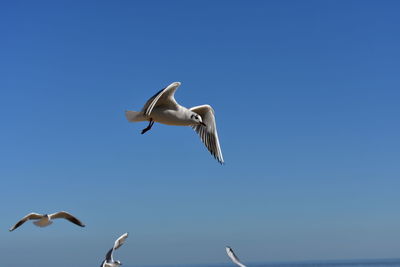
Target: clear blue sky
x,y
306,95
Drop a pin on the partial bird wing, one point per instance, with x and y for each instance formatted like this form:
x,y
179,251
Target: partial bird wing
x,y
120,240
109,256
233,257
30,216
117,244
163,97
208,133
67,216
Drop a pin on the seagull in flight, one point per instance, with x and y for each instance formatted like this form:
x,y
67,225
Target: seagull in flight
x,y
233,257
109,260
163,108
43,220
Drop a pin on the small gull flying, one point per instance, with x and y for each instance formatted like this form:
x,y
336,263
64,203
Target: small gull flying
x,y
43,220
163,108
109,260
233,257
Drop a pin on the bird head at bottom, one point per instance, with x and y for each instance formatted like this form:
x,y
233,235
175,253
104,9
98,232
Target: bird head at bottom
x,y
196,119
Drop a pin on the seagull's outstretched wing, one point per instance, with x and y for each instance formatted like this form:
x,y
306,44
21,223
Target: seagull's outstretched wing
x,y
67,216
208,133
233,257
120,241
164,97
30,216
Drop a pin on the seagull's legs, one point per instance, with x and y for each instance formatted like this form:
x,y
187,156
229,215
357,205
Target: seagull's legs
x,y
148,127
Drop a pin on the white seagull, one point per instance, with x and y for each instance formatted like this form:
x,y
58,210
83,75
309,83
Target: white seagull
x,y
109,260
233,257
43,220
163,108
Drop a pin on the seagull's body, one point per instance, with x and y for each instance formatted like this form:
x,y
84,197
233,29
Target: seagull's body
x,y
233,257
163,108
109,260
176,116
43,220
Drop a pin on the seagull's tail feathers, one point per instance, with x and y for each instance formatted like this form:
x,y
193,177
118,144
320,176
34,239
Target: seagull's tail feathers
x,y
134,116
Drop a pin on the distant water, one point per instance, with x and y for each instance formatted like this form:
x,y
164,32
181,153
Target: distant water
x,y
336,263
341,263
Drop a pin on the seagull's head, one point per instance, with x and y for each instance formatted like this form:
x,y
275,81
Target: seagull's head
x,y
196,119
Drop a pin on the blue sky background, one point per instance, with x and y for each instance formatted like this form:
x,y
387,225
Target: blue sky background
x,y
306,95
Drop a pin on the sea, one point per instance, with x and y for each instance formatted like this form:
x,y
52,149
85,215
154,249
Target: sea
x,y
336,263
330,263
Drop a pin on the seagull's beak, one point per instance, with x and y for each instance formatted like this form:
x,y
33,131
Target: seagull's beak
x,y
202,123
